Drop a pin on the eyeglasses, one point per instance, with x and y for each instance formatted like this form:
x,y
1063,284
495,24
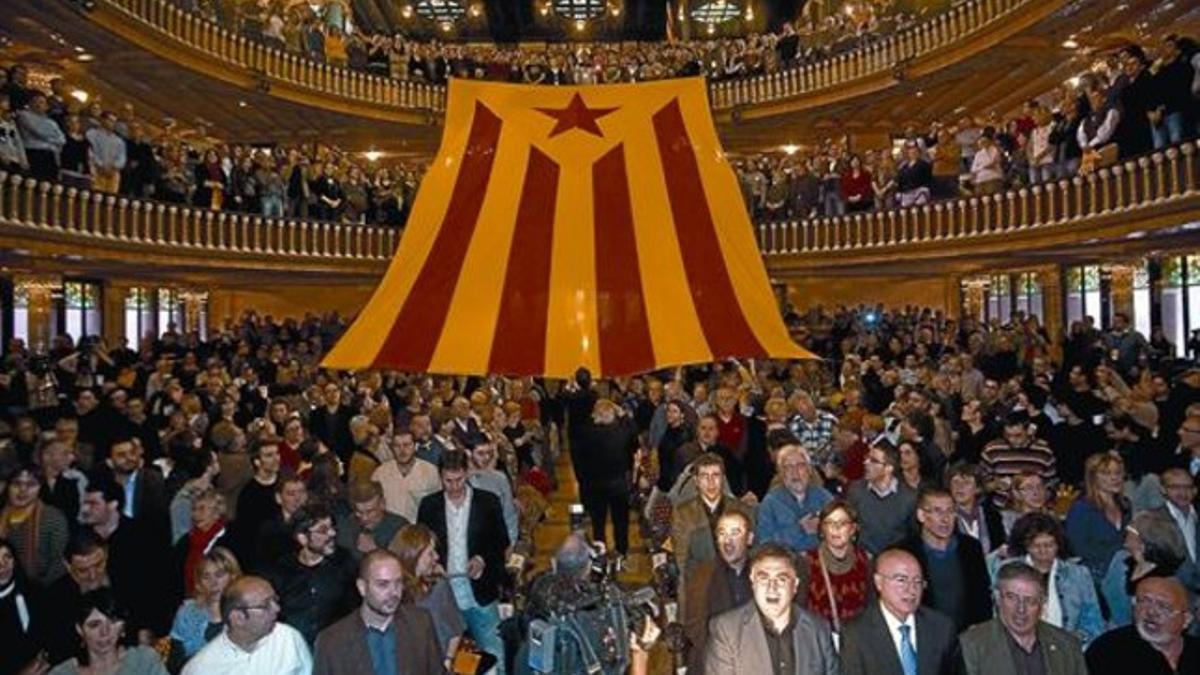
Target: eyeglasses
x,y
270,604
770,581
1156,606
1022,601
838,524
905,581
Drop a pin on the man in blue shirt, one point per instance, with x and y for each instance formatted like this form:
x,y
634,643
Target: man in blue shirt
x,y
788,514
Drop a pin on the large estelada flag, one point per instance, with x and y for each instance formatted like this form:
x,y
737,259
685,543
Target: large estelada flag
x,y
560,227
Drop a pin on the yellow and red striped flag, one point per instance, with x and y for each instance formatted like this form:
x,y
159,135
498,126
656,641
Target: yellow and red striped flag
x,y
561,227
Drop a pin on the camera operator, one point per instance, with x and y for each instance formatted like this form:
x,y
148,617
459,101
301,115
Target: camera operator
x,y
560,596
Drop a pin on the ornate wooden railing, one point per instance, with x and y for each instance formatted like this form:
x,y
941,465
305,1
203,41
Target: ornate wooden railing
x,y
1123,192
957,26
92,219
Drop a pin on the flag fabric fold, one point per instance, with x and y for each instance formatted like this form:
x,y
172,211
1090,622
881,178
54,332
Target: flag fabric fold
x,y
566,227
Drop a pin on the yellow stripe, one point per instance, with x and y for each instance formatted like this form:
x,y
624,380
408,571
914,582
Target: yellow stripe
x,y
674,324
470,327
359,345
571,327
735,233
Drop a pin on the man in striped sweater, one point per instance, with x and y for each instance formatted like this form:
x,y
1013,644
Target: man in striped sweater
x,y
1017,451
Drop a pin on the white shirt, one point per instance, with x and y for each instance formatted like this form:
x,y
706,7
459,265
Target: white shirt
x,y
1186,523
403,494
457,522
282,652
1052,612
894,624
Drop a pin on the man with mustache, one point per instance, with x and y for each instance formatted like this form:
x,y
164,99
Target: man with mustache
x,y
771,634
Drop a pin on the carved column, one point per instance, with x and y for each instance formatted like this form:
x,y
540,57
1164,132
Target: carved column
x,y
195,302
1049,279
113,310
974,290
1122,289
39,291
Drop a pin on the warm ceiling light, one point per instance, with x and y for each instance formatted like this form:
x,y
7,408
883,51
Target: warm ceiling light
x,y
242,104
580,24
85,58
80,95
372,155
615,10
406,11
790,149
749,13
1070,43
446,26
476,11
1074,81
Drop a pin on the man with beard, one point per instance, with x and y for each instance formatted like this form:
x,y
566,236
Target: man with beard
x,y
383,637
771,634
1156,642
718,585
313,583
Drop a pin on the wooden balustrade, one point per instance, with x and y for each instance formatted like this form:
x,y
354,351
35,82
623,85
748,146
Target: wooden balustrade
x,y
95,217
1161,177
954,26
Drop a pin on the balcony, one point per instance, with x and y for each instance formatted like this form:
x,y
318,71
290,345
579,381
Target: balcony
x,y
1146,203
967,29
1143,205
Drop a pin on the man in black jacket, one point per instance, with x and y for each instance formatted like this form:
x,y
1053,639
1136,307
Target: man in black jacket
x,y
473,541
315,583
603,465
952,565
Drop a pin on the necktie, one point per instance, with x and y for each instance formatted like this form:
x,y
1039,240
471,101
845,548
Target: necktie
x,y
908,655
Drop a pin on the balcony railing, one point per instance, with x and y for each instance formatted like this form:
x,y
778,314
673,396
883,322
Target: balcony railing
x,y
956,25
1159,179
271,64
92,218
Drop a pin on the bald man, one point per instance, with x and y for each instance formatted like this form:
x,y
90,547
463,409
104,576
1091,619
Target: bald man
x,y
1155,644
383,637
897,636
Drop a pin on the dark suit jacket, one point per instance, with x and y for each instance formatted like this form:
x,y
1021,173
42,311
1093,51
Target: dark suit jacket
x,y
342,647
708,595
1167,512
977,584
868,648
487,537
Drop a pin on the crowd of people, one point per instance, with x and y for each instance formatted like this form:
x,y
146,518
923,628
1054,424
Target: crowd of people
x,y
325,32
1127,105
172,507
50,135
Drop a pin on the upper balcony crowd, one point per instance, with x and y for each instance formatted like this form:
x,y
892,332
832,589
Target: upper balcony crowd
x,y
1131,102
325,33
50,135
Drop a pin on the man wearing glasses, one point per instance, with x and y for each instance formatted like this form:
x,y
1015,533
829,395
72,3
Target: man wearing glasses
x,y
1180,490
1156,642
253,642
1018,642
898,636
771,635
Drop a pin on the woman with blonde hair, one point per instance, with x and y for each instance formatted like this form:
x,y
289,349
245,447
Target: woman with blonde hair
x,y
425,583
198,619
1098,518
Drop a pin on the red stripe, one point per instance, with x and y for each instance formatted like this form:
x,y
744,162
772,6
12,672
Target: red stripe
x,y
721,318
418,327
625,346
519,343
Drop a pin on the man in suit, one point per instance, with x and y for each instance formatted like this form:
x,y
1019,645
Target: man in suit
x,y
952,564
1180,490
472,540
1018,641
693,521
898,636
716,586
383,637
771,634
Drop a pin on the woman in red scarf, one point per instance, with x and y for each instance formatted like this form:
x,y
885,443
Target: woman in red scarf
x,y
208,531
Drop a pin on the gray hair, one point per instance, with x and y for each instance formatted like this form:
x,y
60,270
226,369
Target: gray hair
x,y
1019,570
1163,541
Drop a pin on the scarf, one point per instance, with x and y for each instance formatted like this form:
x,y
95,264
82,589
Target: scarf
x,y
837,567
25,536
199,542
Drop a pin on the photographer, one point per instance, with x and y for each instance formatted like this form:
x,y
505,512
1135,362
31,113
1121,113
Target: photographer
x,y
569,599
